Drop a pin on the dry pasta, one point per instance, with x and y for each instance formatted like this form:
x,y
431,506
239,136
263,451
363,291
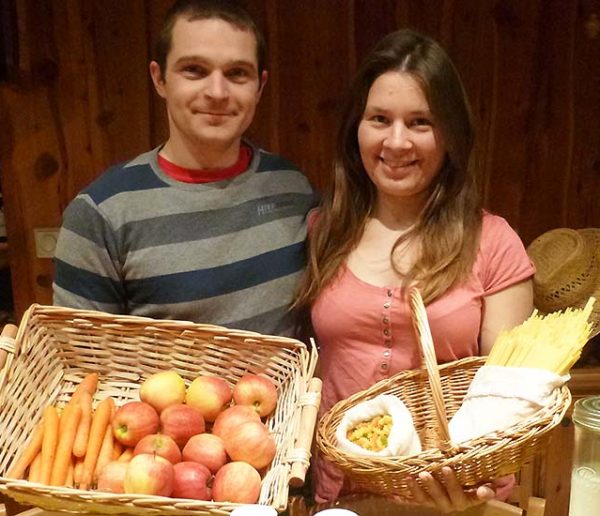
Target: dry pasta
x,y
553,341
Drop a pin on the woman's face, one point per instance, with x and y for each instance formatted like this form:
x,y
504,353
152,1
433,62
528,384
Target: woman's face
x,y
400,146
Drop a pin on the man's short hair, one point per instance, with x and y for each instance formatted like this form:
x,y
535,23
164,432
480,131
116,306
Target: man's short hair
x,y
226,10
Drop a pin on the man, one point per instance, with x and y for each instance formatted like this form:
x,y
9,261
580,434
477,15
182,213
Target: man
x,y
206,227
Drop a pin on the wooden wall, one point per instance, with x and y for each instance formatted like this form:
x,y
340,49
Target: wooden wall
x,y
82,99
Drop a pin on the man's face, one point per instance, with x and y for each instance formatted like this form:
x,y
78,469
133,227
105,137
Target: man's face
x,y
210,83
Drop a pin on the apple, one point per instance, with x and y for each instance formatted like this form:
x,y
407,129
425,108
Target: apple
x,y
181,422
112,476
149,474
236,482
252,443
133,421
231,417
210,395
206,449
159,444
191,480
257,391
163,389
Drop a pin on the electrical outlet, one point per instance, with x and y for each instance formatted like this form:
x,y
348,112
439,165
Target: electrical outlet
x,y
45,241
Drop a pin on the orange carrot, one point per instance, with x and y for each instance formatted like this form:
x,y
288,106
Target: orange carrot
x,y
70,421
106,450
126,456
88,384
117,449
51,423
35,468
77,472
29,453
100,420
83,430
70,473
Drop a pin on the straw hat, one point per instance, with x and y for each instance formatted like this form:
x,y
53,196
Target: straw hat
x,y
567,274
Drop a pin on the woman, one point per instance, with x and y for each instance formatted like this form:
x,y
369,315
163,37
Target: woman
x,y
404,211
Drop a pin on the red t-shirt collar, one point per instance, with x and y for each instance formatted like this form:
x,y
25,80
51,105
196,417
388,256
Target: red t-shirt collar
x,y
207,175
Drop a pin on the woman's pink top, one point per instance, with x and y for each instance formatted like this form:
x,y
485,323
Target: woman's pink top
x,y
365,332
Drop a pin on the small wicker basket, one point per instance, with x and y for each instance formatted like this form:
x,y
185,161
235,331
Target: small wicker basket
x,y
56,347
432,394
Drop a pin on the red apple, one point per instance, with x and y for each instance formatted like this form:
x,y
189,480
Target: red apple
x,y
181,422
191,481
112,476
210,395
133,421
231,417
257,391
163,389
252,443
236,482
149,474
159,444
206,449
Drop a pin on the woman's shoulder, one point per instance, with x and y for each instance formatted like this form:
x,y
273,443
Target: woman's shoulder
x,y
497,234
502,257
493,225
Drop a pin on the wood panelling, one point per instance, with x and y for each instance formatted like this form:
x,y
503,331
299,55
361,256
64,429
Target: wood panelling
x,y
84,100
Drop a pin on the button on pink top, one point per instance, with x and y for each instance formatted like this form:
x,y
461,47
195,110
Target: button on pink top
x,y
365,332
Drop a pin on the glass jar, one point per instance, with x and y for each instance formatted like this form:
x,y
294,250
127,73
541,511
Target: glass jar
x,y
585,475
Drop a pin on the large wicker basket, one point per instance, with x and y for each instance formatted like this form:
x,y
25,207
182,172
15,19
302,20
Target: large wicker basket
x,y
56,347
433,394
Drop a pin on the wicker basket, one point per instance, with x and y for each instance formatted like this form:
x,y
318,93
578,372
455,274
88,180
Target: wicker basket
x,y
432,394
56,347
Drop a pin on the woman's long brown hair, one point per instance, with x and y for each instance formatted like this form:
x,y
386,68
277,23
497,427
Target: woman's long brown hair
x,y
449,226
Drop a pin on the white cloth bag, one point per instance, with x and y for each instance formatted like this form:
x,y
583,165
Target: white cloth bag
x,y
403,438
500,397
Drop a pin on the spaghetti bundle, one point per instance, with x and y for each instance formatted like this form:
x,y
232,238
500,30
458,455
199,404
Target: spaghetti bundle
x,y
553,341
523,373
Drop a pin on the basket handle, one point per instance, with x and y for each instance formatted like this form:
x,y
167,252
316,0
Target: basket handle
x,y
423,333
7,342
300,455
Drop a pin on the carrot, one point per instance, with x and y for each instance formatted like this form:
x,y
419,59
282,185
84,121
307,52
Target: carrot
x,y
70,473
83,430
29,453
51,424
126,456
77,471
35,468
106,450
100,420
70,421
117,449
88,384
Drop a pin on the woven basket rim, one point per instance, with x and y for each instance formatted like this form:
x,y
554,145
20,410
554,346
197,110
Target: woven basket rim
x,y
290,359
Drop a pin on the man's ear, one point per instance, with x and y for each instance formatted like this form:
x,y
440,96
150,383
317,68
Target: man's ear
x,y
157,78
263,80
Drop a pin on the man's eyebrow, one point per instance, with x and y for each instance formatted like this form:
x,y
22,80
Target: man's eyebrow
x,y
203,60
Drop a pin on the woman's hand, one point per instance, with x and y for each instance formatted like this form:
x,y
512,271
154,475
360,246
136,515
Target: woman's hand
x,y
448,497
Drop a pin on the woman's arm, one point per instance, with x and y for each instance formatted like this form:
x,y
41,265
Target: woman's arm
x,y
504,310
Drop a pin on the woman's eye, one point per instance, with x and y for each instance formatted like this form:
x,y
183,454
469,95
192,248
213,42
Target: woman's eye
x,y
420,122
379,119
